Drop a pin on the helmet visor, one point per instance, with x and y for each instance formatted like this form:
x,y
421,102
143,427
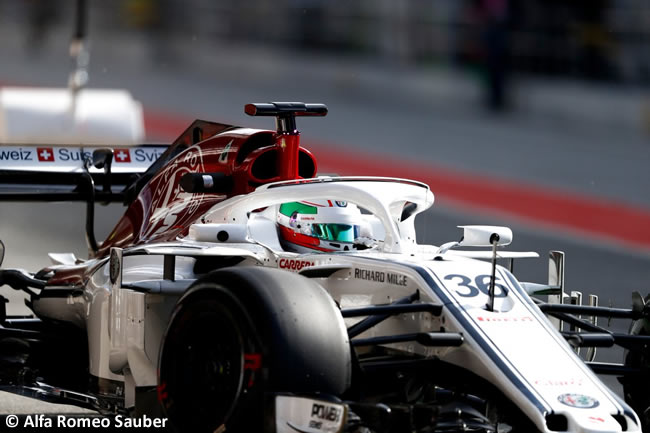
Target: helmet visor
x,y
335,232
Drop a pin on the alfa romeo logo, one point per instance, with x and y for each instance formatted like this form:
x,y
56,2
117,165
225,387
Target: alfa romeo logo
x,y
579,401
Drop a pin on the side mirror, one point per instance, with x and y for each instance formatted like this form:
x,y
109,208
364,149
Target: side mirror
x,y
483,236
2,252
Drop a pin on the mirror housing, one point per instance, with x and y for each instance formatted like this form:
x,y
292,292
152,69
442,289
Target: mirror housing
x,y
483,236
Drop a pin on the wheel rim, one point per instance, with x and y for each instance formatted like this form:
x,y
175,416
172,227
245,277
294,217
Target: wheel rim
x,y
202,367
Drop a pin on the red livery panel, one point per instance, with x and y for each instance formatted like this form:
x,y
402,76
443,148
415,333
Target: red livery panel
x,y
163,210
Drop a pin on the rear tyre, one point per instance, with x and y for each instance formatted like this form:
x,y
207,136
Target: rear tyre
x,y
240,333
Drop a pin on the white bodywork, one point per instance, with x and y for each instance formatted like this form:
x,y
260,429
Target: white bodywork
x,y
514,347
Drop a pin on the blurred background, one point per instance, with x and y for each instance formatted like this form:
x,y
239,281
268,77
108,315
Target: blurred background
x,y
533,114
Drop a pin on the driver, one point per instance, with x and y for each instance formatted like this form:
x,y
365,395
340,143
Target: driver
x,y
322,225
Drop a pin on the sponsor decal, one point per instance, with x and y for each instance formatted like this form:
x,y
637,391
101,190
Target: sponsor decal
x,y
20,154
579,401
71,159
45,154
308,415
326,412
596,419
65,154
122,155
558,382
294,264
381,277
506,319
148,155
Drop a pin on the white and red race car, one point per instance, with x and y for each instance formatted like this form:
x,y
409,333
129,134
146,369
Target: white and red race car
x,y
242,292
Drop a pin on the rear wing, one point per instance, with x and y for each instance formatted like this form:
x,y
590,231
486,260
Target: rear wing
x,y
42,172
71,173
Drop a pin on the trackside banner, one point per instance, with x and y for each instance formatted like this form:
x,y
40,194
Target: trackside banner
x,y
64,159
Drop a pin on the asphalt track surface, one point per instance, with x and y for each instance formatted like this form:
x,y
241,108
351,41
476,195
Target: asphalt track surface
x,y
559,189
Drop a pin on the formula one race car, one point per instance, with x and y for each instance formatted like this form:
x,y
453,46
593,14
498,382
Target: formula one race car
x,y
241,292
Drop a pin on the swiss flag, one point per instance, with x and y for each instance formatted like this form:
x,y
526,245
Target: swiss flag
x,y
122,155
45,154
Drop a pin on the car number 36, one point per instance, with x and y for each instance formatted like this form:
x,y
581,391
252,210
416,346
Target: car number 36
x,y
481,285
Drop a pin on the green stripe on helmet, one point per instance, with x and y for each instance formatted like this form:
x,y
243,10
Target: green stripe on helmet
x,y
288,209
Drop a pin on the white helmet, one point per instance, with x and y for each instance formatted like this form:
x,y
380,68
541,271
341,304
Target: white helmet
x,y
321,225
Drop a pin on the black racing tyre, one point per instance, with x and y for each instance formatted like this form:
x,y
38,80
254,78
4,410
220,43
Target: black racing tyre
x,y
240,333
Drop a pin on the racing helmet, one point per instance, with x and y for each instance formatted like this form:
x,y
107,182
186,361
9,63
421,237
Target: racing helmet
x,y
320,225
